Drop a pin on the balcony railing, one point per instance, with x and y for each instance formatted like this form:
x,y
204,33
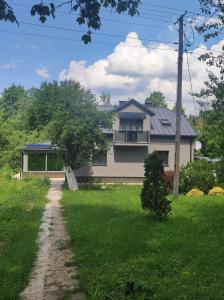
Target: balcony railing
x,y
131,137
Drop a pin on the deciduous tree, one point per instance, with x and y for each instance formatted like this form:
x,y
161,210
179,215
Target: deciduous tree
x,y
156,99
68,114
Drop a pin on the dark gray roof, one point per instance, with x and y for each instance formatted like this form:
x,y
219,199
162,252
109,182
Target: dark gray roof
x,y
169,130
105,107
43,146
158,113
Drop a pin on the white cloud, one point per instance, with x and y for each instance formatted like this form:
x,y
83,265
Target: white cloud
x,y
43,72
134,70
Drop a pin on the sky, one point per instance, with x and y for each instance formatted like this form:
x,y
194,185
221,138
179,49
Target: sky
x,y
128,57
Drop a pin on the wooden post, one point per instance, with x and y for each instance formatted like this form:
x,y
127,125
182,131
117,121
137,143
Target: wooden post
x,y
178,109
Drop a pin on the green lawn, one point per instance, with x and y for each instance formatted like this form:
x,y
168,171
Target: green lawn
x,y
118,245
21,207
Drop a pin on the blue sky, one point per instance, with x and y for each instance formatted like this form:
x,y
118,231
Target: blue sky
x,y
28,60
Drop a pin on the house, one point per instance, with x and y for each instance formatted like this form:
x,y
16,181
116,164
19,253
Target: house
x,y
137,131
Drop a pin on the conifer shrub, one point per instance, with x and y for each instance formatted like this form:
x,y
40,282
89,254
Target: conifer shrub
x,y
154,192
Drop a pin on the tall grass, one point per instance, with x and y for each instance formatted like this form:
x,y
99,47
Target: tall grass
x,y
21,207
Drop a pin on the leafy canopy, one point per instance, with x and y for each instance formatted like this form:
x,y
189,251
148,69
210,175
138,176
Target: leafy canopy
x,y
156,99
89,11
211,97
68,114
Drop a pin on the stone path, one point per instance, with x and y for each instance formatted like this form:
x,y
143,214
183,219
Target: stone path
x,y
54,276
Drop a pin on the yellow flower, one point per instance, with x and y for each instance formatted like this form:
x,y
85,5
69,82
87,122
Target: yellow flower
x,y
194,192
216,191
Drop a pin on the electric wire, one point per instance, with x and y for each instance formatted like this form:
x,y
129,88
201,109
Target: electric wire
x,y
190,81
78,40
97,33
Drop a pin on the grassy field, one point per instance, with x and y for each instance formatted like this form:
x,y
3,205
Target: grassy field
x,y
124,254
21,206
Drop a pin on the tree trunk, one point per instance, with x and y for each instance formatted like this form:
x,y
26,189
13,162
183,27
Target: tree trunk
x,y
71,179
69,172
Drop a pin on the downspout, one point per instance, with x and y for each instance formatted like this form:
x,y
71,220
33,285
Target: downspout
x,y
191,150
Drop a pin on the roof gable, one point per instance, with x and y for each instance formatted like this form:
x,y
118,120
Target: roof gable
x,y
135,103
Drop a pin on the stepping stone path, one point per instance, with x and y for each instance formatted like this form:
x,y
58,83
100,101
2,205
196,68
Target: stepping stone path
x,y
55,275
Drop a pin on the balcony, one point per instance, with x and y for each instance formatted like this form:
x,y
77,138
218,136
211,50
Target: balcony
x,y
131,137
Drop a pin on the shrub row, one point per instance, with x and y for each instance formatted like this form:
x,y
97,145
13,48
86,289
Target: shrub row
x,y
199,175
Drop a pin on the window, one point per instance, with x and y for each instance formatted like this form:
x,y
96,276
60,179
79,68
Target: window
x,y
37,161
54,161
165,122
99,158
164,155
131,124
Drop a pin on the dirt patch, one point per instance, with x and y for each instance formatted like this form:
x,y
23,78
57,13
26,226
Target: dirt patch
x,y
55,275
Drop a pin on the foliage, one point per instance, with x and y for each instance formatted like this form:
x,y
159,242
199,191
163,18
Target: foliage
x,y
211,97
168,178
21,207
156,99
105,99
216,191
212,117
69,116
11,99
197,174
194,192
88,11
220,171
182,109
160,260
14,133
154,193
6,172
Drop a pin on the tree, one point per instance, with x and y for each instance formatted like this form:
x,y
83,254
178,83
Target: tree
x,y
105,99
156,99
154,192
68,114
211,97
11,99
182,109
89,11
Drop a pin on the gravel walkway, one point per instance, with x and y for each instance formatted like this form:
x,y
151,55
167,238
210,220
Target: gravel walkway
x,y
54,276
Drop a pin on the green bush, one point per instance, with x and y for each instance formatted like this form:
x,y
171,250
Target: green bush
x,y
220,172
6,172
197,174
154,192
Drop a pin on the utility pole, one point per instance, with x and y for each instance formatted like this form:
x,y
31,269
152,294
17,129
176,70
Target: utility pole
x,y
176,179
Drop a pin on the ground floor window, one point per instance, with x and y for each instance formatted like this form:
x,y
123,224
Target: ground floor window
x,y
37,161
45,161
99,158
54,161
164,155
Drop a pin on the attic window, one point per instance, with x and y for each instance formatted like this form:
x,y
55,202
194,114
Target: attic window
x,y
165,122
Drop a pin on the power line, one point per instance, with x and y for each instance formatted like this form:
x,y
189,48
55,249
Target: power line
x,y
190,80
105,10
172,8
97,33
73,40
